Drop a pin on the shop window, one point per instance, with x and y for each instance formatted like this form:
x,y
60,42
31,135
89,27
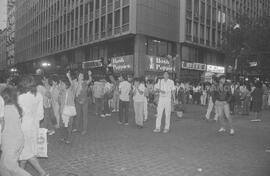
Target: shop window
x,y
162,49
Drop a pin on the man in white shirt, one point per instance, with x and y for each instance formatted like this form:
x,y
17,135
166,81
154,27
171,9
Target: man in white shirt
x,y
166,89
124,90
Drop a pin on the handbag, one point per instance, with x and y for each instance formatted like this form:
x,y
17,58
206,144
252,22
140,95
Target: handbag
x,y
42,144
69,110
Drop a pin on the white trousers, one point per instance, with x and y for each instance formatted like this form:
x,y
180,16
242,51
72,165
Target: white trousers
x,y
164,104
210,108
145,109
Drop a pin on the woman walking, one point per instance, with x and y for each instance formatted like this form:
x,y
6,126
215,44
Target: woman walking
x,y
31,103
138,99
12,137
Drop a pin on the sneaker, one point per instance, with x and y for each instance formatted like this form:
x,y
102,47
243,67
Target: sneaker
x,y
108,115
221,130
126,124
113,110
156,131
120,123
232,132
256,120
51,132
166,131
102,115
74,130
83,133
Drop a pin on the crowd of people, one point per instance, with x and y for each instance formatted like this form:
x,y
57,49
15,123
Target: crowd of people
x,y
61,104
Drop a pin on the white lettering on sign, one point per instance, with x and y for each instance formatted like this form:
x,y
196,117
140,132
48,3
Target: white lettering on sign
x,y
215,69
193,66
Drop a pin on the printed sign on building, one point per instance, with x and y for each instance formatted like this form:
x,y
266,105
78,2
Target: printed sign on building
x,y
155,63
193,66
122,63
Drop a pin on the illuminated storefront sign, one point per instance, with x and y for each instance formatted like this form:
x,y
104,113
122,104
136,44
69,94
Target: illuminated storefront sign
x,y
215,69
123,63
155,63
92,64
193,66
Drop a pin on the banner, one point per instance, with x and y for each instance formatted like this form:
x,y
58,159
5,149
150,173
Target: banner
x,y
122,63
154,63
215,69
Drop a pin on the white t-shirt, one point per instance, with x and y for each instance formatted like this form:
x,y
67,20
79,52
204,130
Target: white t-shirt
x,y
124,88
2,106
137,96
167,86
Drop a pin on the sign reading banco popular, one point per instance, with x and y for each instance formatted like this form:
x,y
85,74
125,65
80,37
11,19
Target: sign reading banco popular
x,y
122,63
155,63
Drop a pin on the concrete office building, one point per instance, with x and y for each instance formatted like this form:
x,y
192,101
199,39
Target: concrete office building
x,y
139,36
10,32
3,50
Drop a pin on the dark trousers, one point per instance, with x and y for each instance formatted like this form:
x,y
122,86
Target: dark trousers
x,y
49,119
99,105
106,106
123,111
81,120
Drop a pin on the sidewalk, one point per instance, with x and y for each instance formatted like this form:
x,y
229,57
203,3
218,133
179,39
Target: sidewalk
x,y
192,148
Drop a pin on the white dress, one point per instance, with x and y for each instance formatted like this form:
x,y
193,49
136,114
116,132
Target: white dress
x,y
32,107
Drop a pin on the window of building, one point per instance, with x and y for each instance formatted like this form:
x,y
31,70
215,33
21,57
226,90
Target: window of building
x,y
195,29
125,15
81,11
91,29
196,8
189,5
202,10
159,48
117,18
188,27
213,35
202,31
96,26
103,24
109,20
97,4
103,3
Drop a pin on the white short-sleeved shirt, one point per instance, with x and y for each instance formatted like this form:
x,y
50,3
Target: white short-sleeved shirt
x,y
124,88
167,86
137,96
2,106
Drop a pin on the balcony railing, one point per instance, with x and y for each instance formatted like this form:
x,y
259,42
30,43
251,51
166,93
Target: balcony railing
x,y
96,36
125,27
109,32
103,34
103,10
117,4
201,41
195,39
110,7
117,30
189,14
125,2
188,37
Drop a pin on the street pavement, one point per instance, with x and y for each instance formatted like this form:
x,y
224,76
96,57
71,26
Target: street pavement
x,y
192,148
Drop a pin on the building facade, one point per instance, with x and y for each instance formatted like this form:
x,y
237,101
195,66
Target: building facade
x,y
3,50
10,32
138,36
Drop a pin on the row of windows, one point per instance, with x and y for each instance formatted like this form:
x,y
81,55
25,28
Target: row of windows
x,y
65,31
208,20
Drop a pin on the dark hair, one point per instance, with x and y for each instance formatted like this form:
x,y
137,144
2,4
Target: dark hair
x,y
55,79
10,96
27,83
66,82
124,77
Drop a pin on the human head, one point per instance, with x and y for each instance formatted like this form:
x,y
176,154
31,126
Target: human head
x,y
166,75
10,97
27,84
222,79
80,76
